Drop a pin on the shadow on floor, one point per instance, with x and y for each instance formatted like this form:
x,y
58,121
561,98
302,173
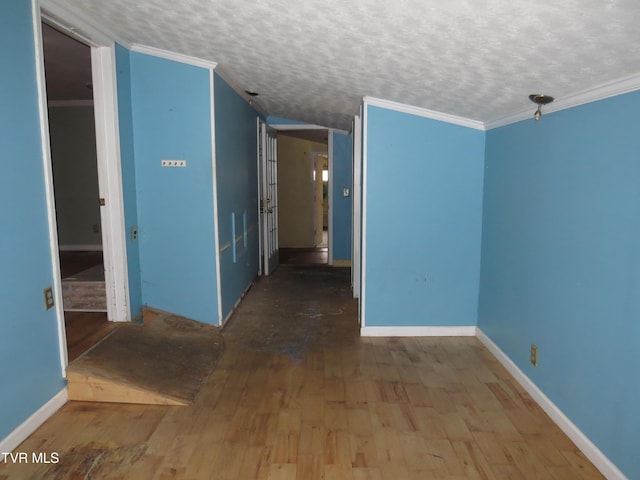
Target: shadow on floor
x,y
298,309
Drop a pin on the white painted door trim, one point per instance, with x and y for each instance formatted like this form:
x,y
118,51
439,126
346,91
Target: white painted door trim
x,y
268,179
108,162
330,198
356,206
314,199
214,169
259,148
103,69
363,257
48,182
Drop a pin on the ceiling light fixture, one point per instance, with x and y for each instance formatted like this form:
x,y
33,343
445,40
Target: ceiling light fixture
x,y
252,95
541,100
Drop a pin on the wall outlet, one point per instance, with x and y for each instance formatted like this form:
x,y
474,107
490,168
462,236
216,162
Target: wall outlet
x,y
134,234
534,355
173,163
96,228
48,298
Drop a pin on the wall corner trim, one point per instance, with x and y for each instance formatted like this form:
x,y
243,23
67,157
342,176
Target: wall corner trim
x,y
176,57
593,453
460,331
423,112
26,428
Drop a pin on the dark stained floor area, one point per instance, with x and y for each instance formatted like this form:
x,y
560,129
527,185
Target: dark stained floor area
x,y
304,256
297,310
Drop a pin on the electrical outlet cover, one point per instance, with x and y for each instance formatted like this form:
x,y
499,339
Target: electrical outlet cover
x,y
534,355
48,298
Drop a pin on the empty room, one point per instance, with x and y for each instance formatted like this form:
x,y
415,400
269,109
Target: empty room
x,y
466,173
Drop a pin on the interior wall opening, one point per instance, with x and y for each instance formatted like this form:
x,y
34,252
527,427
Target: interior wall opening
x,y
303,193
72,137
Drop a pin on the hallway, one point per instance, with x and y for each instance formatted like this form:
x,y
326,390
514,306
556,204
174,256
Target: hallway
x,y
298,394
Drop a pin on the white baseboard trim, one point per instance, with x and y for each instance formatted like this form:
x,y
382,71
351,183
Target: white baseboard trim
x,y
20,434
463,331
80,248
593,453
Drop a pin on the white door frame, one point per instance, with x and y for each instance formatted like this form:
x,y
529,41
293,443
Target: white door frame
x,y
330,195
114,246
269,212
286,127
356,206
108,161
314,199
259,148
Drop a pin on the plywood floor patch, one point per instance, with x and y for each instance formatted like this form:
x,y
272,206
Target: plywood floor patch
x,y
164,362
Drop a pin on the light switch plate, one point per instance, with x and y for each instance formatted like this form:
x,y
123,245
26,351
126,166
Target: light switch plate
x,y
345,192
173,163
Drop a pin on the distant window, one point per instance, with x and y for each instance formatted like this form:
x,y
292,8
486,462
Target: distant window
x,y
325,175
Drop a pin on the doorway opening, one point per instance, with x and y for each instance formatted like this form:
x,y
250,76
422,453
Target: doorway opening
x,y
303,192
72,138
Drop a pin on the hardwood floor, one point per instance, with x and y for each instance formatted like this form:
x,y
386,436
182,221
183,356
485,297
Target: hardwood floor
x,y
318,403
85,329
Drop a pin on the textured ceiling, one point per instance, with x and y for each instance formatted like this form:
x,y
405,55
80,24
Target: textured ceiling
x,y
313,60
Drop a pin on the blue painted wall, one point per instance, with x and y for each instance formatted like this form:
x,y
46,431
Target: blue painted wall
x,y
273,120
342,206
125,119
29,351
561,263
172,120
236,165
423,221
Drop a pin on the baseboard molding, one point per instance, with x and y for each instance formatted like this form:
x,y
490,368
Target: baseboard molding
x,y
593,453
462,331
20,434
80,248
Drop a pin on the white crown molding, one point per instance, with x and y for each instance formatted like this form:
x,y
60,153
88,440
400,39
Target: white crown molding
x,y
461,331
31,424
514,118
174,56
593,453
78,25
252,101
600,92
423,112
70,103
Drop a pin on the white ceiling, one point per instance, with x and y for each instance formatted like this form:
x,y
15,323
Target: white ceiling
x,y
314,60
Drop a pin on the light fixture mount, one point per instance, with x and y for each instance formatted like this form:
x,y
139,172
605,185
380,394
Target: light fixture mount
x,y
540,99
252,94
